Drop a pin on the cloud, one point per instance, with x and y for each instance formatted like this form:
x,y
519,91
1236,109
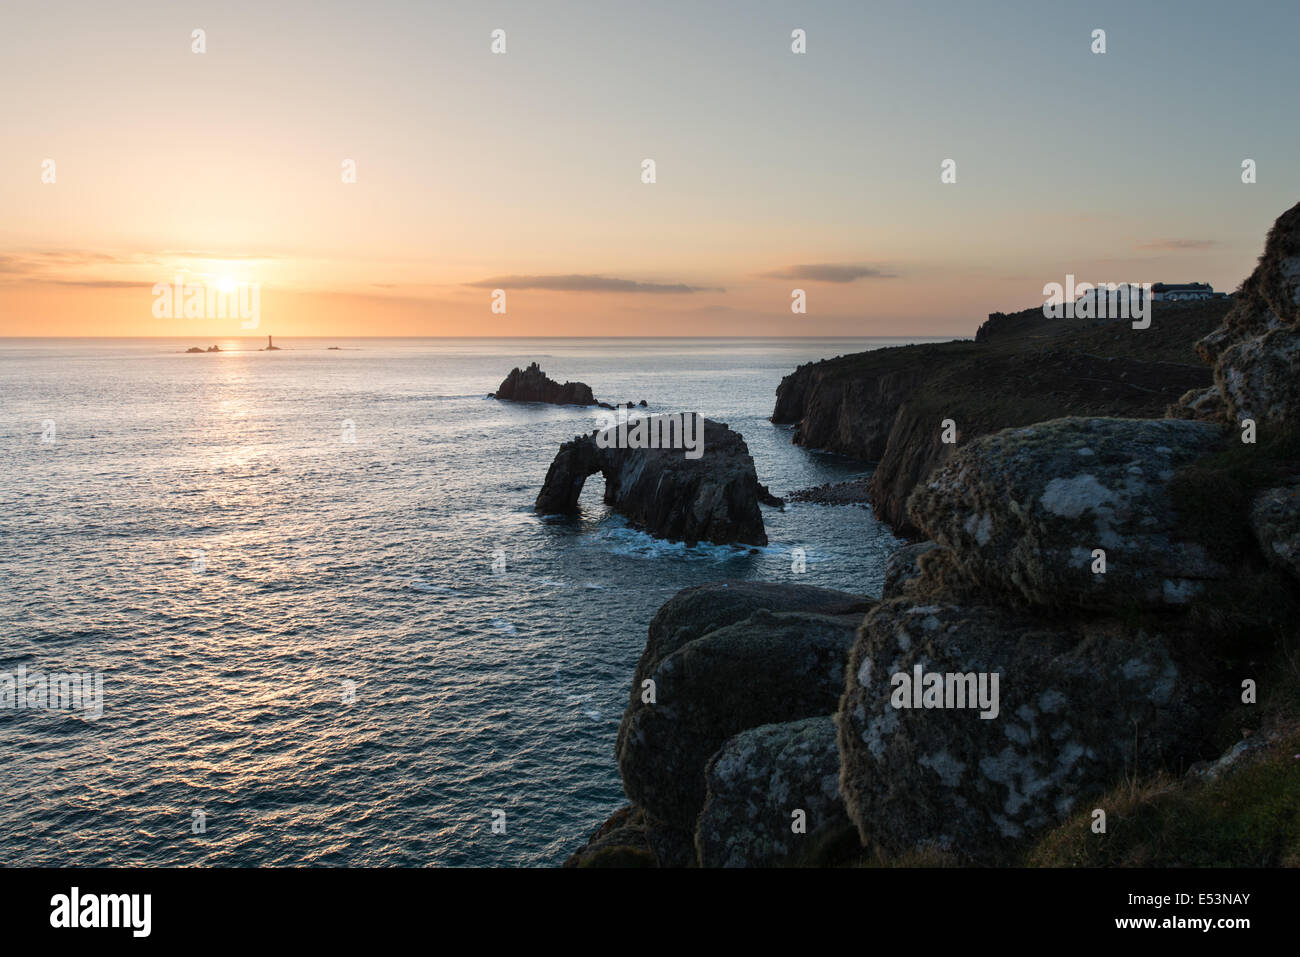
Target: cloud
x,y
29,266
200,254
26,262
830,272
580,283
82,257
98,283
658,310
79,267
1178,245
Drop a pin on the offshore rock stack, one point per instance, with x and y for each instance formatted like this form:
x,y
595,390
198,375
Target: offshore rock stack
x,y
534,385
707,494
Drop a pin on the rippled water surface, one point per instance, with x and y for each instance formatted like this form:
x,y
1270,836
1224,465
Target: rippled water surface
x,y
200,531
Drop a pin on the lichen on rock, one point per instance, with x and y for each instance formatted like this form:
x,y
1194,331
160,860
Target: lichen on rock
x,y
772,797
1080,702
1027,508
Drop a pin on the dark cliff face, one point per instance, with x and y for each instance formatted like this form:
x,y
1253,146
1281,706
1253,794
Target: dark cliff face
x,y
533,385
888,406
847,404
713,498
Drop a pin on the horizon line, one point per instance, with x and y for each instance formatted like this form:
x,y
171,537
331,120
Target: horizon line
x,y
211,338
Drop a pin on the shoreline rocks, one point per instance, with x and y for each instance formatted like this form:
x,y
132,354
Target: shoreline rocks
x,y
622,841
1006,686
768,669
852,492
719,662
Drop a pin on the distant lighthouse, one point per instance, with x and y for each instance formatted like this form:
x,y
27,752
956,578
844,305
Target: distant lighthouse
x,y
268,341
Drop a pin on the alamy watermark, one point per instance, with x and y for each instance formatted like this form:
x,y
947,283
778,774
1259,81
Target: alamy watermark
x,y
35,691
224,299
674,430
922,689
130,911
1104,300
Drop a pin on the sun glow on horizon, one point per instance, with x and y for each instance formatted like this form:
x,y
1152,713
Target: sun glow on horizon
x,y
358,204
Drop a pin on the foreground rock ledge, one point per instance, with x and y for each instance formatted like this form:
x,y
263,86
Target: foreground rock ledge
x,y
1076,699
1026,508
768,669
724,663
712,498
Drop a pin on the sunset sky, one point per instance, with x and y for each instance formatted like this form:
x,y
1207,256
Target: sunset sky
x,y
775,171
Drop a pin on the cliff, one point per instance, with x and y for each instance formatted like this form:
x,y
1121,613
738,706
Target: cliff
x,y
886,406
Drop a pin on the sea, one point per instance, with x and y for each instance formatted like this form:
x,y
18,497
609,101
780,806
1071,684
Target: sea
x,y
328,627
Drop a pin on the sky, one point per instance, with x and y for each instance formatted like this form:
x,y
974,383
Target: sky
x,y
523,170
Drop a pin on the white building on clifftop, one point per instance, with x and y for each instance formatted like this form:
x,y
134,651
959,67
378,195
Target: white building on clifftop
x,y
1184,291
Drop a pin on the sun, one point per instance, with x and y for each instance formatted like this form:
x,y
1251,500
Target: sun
x,y
226,284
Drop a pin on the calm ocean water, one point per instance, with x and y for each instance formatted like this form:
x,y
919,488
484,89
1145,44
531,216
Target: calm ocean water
x,y
201,533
